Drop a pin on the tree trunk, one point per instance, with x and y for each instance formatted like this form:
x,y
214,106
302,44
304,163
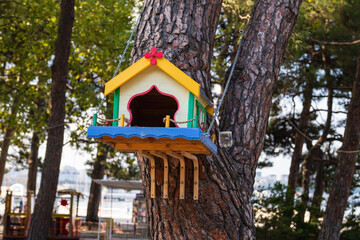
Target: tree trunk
x,y
33,162
41,220
299,142
95,189
319,189
4,152
314,150
7,139
344,173
184,31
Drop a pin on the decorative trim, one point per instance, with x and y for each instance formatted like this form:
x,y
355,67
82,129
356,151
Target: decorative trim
x,y
153,132
153,55
143,93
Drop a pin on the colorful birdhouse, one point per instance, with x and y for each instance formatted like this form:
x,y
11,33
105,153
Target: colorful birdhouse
x,y
159,111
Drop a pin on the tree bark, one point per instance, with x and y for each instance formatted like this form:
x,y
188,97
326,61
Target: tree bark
x,y
95,189
319,189
7,139
344,173
314,150
33,162
4,152
41,220
184,31
299,141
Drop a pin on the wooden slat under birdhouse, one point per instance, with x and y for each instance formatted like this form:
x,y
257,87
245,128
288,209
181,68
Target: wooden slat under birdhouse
x,y
182,171
166,171
152,172
196,172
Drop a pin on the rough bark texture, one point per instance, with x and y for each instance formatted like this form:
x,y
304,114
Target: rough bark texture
x,y
33,162
95,189
184,30
41,220
344,173
299,141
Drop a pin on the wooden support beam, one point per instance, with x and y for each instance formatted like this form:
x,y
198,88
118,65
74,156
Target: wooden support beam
x,y
196,172
182,171
152,172
166,171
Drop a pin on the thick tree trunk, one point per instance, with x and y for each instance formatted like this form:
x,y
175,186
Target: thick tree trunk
x,y
184,31
344,173
95,189
41,220
299,141
33,162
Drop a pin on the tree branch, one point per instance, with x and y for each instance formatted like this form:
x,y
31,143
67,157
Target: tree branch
x,y
335,43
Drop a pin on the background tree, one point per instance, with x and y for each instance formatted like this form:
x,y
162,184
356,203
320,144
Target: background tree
x,y
40,221
348,154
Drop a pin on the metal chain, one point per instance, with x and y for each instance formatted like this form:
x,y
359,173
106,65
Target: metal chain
x,y
122,56
226,87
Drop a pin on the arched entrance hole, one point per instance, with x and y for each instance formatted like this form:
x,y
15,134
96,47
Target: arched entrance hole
x,y
149,109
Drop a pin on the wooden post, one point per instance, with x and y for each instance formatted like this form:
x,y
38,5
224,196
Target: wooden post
x,y
28,210
122,120
167,122
71,214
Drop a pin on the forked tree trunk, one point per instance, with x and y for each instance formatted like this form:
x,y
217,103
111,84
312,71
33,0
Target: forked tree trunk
x,y
184,30
345,169
299,142
95,189
314,150
41,220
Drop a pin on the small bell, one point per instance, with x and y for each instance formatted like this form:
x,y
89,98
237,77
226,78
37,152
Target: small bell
x,y
225,139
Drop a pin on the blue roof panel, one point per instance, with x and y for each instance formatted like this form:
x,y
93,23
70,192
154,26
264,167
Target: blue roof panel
x,y
155,132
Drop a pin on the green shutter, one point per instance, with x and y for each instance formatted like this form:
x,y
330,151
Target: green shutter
x,y
116,107
191,110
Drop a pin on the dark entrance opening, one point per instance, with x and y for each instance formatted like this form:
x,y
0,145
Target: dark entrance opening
x,y
150,109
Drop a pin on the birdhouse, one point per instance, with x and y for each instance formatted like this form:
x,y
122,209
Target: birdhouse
x,y
159,111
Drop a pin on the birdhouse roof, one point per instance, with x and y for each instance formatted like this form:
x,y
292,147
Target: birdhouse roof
x,y
162,63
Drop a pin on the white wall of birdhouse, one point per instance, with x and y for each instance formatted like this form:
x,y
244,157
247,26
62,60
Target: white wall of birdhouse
x,y
144,81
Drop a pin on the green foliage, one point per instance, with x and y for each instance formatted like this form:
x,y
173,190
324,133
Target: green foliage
x,y
28,32
351,226
271,218
124,167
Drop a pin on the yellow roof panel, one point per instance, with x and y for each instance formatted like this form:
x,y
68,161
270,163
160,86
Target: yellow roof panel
x,y
144,63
